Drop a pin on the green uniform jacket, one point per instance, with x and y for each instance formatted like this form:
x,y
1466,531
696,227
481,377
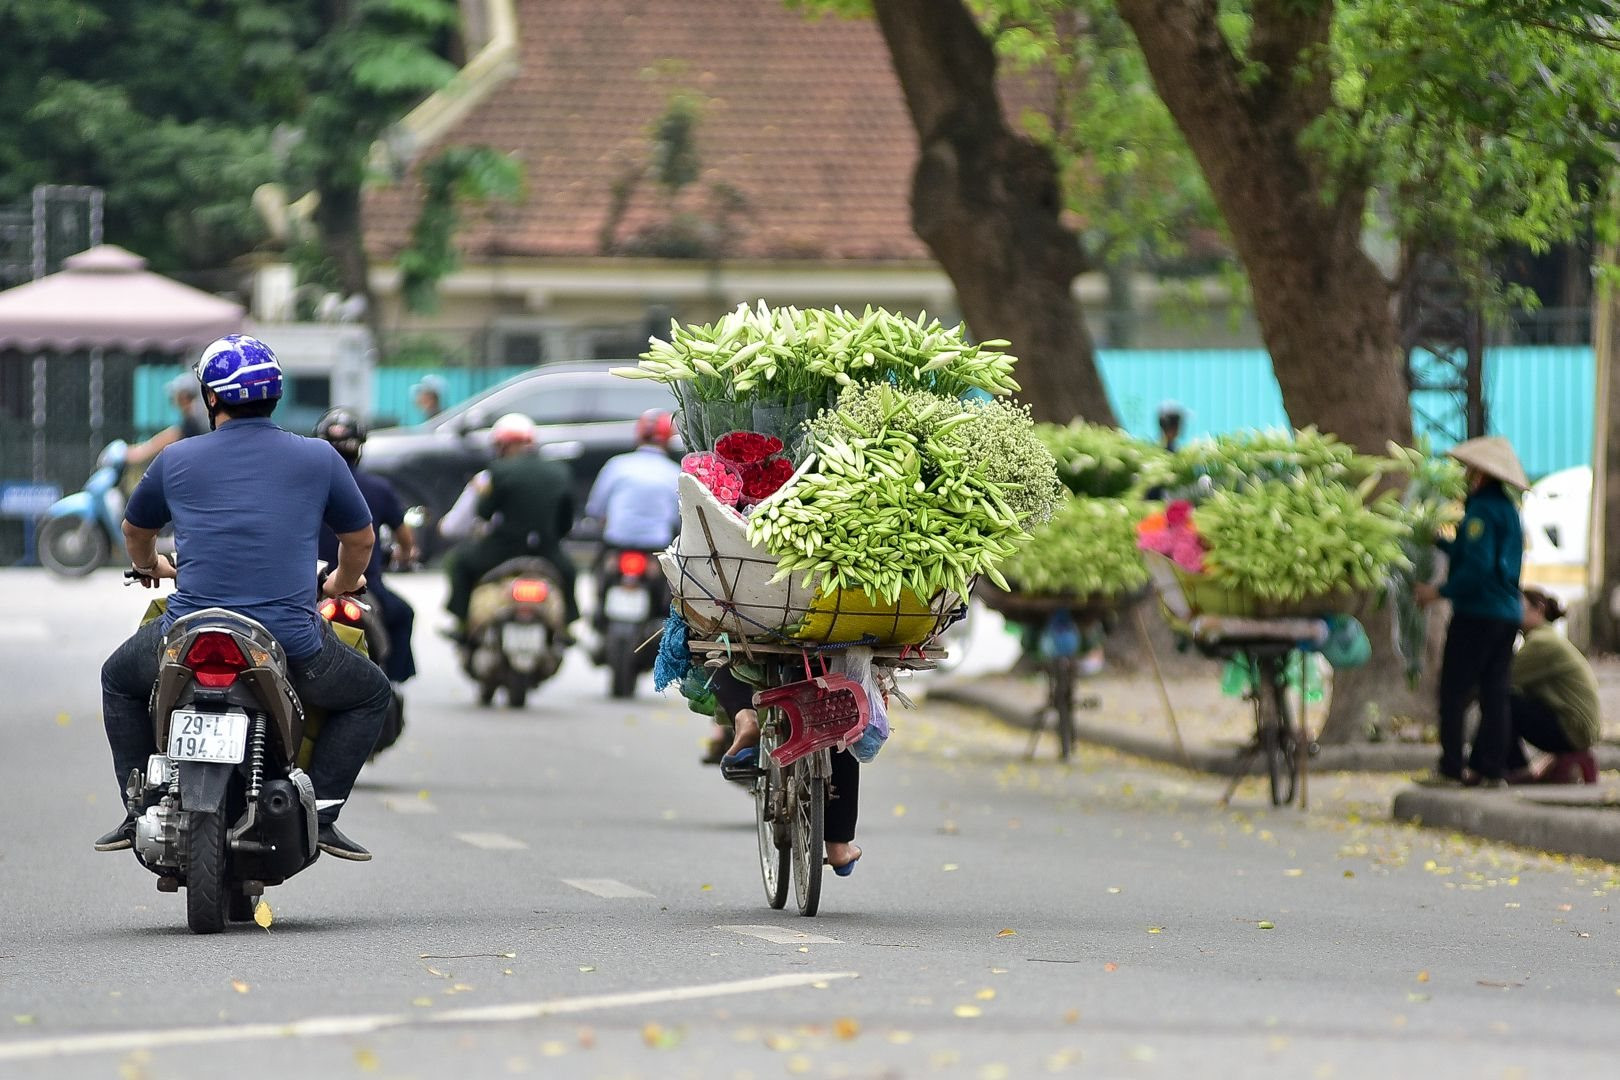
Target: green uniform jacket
x,y
1485,557
534,498
1551,670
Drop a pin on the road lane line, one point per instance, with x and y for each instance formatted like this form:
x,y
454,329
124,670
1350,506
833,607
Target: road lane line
x,y
491,841
607,888
119,1042
779,935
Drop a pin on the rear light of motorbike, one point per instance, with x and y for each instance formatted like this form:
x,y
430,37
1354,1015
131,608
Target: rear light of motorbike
x,y
632,563
328,609
351,611
331,610
215,660
530,591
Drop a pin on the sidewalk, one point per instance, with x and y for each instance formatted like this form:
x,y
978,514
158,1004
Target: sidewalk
x,y
1129,717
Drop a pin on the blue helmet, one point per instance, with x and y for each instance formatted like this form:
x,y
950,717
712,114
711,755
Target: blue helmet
x,y
240,369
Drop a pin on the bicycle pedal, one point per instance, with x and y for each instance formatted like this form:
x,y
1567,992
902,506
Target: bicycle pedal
x,y
741,774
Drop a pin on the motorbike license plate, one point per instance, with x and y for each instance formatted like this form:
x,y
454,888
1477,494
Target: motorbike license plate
x,y
624,603
207,736
523,637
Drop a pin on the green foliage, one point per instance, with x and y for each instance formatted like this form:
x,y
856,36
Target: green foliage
x,y
1088,548
1101,461
458,176
1245,459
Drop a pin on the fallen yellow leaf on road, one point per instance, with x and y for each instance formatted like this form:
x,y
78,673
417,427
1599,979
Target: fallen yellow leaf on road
x,y
1009,932
63,719
1155,929
1072,1016
263,915
986,994
950,866
1423,976
422,1002
1266,924
1293,872
587,969
968,1012
553,1049
366,1061
846,1027
239,986
1110,966
899,809
799,1065
901,1038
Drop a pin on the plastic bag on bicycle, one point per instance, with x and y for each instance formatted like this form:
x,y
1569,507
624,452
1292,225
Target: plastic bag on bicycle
x,y
856,664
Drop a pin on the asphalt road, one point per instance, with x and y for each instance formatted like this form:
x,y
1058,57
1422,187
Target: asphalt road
x,y
564,891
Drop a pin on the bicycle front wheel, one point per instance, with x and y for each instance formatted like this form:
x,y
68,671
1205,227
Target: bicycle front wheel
x,y
1062,675
807,787
771,820
1277,737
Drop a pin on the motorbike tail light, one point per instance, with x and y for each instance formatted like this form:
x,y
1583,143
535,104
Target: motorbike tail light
x,y
328,609
530,591
215,659
351,611
632,563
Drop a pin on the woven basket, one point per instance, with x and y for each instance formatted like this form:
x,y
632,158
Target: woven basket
x,y
722,584
1186,595
1029,607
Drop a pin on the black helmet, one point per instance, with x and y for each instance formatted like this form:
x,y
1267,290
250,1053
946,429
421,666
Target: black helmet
x,y
343,428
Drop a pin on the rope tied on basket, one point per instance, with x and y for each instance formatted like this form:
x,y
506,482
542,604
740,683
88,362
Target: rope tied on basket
x,y
674,657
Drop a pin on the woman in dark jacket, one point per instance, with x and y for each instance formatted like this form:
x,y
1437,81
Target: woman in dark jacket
x,y
1482,584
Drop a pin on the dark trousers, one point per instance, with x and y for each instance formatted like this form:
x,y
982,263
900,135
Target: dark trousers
x,y
475,558
354,692
843,800
399,619
1535,723
1478,664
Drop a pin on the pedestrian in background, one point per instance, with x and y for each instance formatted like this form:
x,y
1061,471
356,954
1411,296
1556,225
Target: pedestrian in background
x,y
429,396
1482,584
1171,418
1554,703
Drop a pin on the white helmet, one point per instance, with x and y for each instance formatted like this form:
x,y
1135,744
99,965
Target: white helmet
x,y
513,429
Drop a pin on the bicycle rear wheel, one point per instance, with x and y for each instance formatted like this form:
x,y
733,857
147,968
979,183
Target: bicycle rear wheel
x,y
1062,673
1278,740
807,798
770,818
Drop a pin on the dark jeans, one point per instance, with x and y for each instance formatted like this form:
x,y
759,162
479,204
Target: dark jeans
x,y
354,692
399,618
1478,663
475,558
1535,723
843,800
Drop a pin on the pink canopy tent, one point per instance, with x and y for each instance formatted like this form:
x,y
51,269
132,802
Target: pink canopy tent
x,y
105,298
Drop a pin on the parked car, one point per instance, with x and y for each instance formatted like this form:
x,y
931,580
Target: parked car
x,y
585,416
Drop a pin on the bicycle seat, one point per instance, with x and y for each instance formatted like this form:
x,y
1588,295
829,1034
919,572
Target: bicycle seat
x,y
829,711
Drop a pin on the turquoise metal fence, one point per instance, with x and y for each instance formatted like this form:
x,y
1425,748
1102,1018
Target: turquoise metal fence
x,y
1538,396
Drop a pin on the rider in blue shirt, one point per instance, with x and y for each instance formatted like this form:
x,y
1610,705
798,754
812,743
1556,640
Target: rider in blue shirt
x,y
247,502
636,495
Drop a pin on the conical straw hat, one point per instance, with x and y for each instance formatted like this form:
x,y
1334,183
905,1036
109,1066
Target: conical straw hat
x,y
1493,456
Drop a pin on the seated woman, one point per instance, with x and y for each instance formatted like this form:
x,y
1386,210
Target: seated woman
x,y
1554,704
737,699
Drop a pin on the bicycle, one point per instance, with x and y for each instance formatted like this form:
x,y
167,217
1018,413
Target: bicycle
x,y
802,722
1276,737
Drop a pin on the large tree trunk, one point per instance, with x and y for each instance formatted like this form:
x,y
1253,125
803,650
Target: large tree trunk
x,y
337,217
1603,534
987,202
1323,306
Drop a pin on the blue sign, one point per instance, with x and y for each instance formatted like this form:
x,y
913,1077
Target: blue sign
x,y
22,500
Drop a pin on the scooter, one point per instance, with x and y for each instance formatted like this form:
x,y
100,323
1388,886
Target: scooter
x,y
515,630
630,618
81,531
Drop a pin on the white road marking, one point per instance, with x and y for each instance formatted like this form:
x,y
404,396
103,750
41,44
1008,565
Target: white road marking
x,y
491,841
606,887
23,630
410,806
331,1026
779,935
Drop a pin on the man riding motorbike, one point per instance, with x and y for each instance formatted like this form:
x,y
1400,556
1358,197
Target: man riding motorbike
x,y
344,429
247,501
529,504
635,496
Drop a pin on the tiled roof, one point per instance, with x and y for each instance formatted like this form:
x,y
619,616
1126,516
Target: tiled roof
x,y
802,116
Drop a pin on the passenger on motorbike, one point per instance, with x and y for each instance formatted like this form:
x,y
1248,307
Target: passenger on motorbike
x,y
247,502
635,496
193,421
529,504
344,429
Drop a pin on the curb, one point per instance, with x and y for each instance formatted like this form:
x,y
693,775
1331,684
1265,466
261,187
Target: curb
x,y
1371,757
1511,818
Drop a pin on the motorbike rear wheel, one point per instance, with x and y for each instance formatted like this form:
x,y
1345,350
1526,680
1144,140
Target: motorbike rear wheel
x,y
207,891
621,661
72,546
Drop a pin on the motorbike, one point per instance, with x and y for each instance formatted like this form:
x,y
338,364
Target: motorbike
x,y
361,615
81,531
224,809
515,630
630,617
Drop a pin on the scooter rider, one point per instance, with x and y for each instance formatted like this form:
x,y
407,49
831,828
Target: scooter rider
x,y
529,503
193,421
635,496
247,502
344,429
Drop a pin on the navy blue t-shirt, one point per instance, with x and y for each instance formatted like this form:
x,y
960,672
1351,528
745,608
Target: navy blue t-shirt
x,y
247,502
386,509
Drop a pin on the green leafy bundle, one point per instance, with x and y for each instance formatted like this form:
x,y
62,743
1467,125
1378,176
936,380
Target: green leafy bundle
x,y
1247,458
1103,461
786,353
1088,548
910,490
1296,538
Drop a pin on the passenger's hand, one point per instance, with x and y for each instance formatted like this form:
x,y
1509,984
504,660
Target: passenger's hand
x,y
336,586
1425,594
